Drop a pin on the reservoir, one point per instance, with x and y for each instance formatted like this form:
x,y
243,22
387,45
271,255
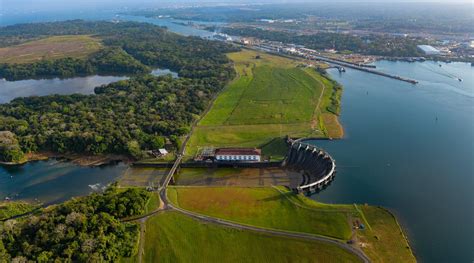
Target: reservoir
x,y
54,181
410,148
41,87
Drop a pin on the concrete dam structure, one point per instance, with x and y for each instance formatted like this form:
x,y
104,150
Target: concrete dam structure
x,y
318,168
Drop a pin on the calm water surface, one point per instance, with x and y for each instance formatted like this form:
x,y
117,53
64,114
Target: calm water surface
x,y
410,148
54,181
40,87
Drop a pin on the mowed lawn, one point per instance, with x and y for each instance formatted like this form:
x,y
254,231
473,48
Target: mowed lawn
x,y
172,237
382,238
55,47
270,98
266,207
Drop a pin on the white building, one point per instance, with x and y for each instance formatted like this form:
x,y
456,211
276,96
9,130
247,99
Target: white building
x,y
238,155
428,50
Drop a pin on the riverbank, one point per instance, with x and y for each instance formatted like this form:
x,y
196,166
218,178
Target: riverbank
x,y
80,159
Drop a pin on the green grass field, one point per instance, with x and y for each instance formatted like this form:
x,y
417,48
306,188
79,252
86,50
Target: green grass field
x,y
270,98
172,237
382,239
55,47
266,207
385,242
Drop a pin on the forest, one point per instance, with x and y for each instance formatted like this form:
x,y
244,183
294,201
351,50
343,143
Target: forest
x,y
126,117
130,48
86,229
370,45
123,117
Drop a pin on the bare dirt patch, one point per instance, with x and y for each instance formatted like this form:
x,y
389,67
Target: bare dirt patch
x,y
50,48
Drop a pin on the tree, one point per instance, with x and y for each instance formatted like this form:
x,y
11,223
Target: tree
x,y
157,142
134,150
10,150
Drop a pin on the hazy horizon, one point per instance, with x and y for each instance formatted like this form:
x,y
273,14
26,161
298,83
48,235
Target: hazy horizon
x,y
45,5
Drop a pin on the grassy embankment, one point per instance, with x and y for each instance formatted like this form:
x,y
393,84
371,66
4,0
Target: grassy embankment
x,y
382,238
270,98
77,46
11,209
172,237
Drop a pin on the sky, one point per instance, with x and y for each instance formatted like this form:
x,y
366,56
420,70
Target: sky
x,y
53,4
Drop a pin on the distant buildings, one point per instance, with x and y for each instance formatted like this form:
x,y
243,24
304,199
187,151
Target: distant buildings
x,y
428,50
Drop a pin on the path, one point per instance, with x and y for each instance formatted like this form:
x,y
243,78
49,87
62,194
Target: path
x,y
314,121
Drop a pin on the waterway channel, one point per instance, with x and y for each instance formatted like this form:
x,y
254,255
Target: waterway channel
x,y
410,148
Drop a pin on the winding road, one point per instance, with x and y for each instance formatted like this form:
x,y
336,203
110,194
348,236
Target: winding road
x,y
166,205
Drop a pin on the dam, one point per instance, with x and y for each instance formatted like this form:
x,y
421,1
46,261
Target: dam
x,y
317,167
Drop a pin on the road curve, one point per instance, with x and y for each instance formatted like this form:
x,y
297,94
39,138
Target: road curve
x,y
214,220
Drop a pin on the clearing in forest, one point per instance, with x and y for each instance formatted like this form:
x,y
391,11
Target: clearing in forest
x,y
50,48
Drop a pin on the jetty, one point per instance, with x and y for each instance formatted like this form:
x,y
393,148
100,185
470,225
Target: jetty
x,y
358,67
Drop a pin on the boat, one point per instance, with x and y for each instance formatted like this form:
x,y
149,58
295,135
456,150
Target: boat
x,y
459,79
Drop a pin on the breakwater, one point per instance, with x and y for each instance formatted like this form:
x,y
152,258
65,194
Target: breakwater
x,y
318,168
359,67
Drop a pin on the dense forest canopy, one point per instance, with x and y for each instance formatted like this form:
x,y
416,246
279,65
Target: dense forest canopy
x,y
125,117
122,116
86,229
131,48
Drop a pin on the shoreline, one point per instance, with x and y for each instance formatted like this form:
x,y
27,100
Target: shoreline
x,y
75,158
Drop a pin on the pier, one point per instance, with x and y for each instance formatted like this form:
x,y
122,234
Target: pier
x,y
355,66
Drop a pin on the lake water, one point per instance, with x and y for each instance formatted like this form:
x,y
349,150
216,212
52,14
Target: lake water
x,y
410,148
54,181
40,87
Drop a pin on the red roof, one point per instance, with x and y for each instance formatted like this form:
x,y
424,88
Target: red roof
x,y
238,151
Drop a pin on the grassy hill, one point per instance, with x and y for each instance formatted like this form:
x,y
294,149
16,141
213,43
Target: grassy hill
x,y
381,239
271,97
172,237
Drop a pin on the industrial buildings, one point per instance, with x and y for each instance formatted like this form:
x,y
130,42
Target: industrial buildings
x,y
428,50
